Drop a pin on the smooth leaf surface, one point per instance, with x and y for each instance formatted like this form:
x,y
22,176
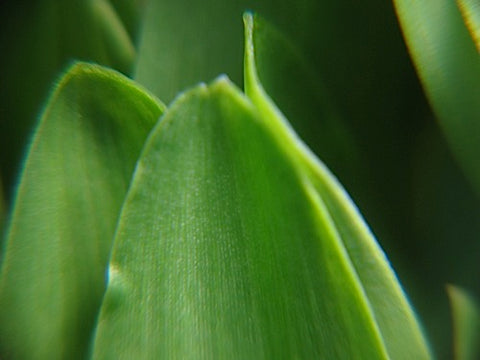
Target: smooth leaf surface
x,y
466,324
74,181
38,39
448,63
225,250
393,315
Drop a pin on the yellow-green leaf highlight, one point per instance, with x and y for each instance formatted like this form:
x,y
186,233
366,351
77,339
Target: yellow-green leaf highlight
x,y
75,177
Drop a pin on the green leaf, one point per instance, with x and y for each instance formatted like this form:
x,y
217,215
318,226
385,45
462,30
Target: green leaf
x,y
448,64
39,38
75,178
224,249
466,324
393,315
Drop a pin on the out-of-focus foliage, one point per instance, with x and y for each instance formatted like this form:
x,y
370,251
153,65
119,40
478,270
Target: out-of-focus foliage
x,y
3,211
448,63
466,324
38,39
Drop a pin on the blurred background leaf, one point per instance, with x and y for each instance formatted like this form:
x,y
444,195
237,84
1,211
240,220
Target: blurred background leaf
x,y
448,64
76,175
466,324
38,39
131,14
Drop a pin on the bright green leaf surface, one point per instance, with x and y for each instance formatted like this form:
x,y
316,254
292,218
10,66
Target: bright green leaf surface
x,y
449,66
225,250
391,310
75,178
466,324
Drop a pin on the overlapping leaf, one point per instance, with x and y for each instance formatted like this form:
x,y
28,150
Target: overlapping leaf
x,y
448,63
235,242
75,178
224,251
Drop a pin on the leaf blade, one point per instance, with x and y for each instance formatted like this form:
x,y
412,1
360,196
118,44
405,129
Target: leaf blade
x,y
58,242
232,258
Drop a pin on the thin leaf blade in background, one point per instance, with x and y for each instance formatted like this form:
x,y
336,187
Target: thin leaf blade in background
x,y
224,250
466,324
75,178
392,312
131,12
448,63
